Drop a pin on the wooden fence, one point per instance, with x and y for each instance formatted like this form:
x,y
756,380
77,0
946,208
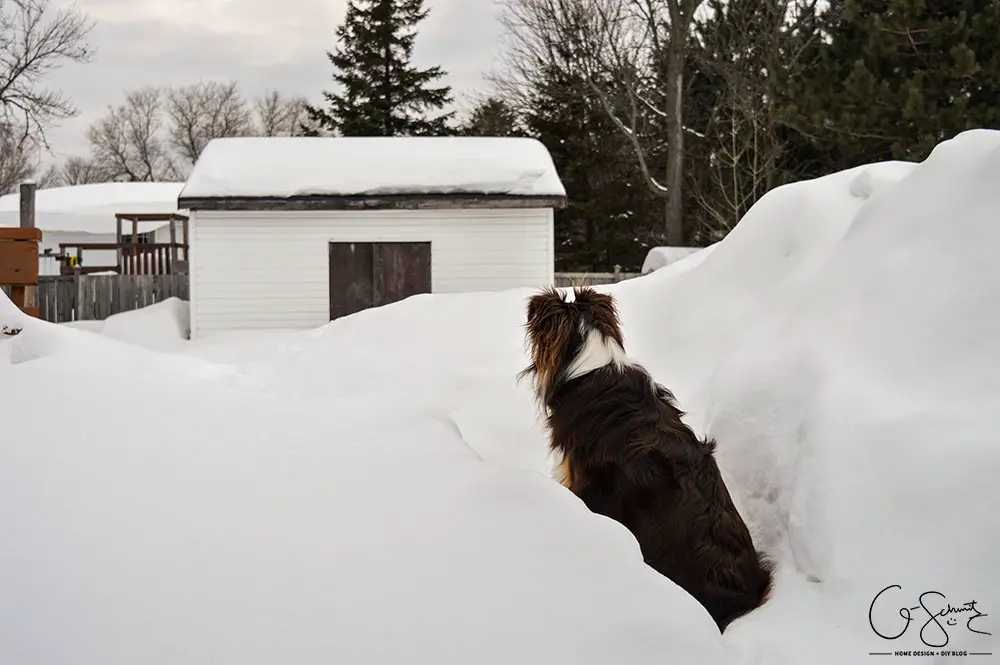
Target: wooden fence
x,y
592,278
63,298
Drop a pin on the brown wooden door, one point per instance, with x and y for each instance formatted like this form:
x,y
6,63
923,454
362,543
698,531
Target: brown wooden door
x,y
365,274
401,270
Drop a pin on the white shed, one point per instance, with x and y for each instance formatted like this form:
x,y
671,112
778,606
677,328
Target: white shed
x,y
292,232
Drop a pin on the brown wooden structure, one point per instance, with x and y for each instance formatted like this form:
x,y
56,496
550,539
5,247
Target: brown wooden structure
x,y
19,266
371,274
19,255
135,257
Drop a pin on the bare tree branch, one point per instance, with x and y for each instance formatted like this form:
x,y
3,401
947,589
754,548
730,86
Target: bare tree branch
x,y
127,143
205,111
744,43
34,41
632,55
17,157
277,115
80,171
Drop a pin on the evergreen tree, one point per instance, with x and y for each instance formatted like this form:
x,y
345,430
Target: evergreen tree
x,y
895,78
611,217
382,93
493,117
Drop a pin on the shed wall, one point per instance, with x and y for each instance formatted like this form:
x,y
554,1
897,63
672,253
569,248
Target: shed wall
x,y
270,270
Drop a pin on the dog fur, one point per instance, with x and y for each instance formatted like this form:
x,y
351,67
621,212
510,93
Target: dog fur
x,y
627,454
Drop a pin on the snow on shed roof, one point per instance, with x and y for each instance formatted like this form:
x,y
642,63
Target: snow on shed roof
x,y
92,208
369,167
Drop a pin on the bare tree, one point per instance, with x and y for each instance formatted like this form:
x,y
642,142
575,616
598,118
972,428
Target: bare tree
x,y
204,111
49,178
745,46
277,115
34,41
633,53
81,171
17,157
159,133
128,143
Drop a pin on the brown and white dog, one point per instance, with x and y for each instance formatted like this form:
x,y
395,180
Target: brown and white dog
x,y
628,456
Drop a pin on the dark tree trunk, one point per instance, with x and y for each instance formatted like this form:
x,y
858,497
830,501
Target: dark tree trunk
x,y
674,208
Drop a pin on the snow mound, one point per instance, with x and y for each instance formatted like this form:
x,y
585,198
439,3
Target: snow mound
x,y
455,356
847,375
706,312
878,178
9,312
661,257
11,323
358,166
164,325
207,520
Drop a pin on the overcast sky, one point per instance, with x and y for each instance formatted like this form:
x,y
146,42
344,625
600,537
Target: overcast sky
x,y
264,44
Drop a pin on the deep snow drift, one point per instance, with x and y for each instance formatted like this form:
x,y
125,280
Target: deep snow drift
x,y
374,491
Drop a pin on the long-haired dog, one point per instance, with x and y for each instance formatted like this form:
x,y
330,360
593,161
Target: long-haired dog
x,y
628,456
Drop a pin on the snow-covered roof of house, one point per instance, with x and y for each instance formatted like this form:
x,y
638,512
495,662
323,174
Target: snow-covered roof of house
x,y
92,208
326,171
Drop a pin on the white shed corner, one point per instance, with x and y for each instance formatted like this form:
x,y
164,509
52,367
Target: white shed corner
x,y
293,232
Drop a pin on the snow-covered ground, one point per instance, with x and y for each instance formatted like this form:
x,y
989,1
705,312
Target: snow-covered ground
x,y
375,491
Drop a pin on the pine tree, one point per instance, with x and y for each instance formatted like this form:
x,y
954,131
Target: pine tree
x,y
382,93
898,77
493,117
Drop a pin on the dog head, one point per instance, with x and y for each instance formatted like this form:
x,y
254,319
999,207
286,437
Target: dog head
x,y
568,338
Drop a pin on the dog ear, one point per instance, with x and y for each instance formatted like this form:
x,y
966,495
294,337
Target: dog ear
x,y
539,302
534,305
602,311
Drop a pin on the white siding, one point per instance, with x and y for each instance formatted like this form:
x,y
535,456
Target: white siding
x,y
271,269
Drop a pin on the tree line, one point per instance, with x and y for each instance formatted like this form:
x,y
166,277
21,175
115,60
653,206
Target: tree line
x,y
667,119
670,118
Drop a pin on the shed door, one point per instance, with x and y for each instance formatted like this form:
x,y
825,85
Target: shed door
x,y
371,274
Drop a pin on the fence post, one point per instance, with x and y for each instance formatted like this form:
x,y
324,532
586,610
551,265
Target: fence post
x,y
27,201
27,204
618,273
80,291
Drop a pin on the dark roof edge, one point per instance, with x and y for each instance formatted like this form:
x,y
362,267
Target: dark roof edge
x,y
366,202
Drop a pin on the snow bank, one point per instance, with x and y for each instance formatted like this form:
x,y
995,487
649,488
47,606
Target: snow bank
x,y
682,327
164,325
355,166
248,529
855,409
92,208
